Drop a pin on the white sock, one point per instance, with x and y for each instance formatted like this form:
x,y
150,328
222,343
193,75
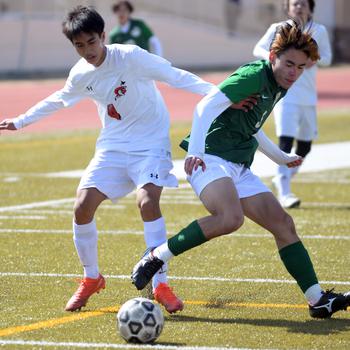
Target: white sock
x,y
155,235
163,252
313,294
282,180
294,170
85,240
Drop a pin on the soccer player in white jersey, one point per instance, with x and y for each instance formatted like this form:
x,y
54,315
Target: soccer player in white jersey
x,y
295,115
133,149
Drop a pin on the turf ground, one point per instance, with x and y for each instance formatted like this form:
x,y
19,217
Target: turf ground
x,y
237,293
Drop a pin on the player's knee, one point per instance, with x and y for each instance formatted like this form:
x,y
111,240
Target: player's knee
x,y
148,205
231,223
303,148
82,213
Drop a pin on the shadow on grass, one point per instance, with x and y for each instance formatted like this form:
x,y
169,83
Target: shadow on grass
x,y
316,327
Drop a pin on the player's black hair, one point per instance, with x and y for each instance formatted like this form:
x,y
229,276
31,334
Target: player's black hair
x,y
127,4
82,19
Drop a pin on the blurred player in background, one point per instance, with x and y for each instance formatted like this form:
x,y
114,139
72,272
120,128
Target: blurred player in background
x,y
295,115
133,31
220,150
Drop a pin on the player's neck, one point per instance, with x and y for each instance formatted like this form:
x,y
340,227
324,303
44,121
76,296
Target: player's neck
x,y
103,57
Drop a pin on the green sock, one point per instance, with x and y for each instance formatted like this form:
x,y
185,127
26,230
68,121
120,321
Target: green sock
x,y
188,238
297,261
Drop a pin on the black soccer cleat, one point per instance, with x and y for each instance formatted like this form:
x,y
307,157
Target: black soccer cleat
x,y
145,269
329,304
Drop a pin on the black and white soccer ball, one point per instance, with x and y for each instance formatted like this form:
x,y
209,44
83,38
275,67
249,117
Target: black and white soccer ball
x,y
140,320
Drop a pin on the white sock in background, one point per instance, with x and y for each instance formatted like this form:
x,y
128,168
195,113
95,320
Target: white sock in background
x,y
85,240
282,180
294,170
155,235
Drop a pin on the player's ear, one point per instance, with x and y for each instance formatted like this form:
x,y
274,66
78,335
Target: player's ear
x,y
103,36
272,57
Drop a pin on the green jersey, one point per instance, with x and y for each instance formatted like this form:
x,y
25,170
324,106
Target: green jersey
x,y
138,34
230,135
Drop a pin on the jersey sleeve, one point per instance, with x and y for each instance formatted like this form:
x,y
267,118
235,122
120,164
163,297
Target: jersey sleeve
x,y
262,48
72,92
155,46
272,151
153,67
324,47
209,108
68,96
241,84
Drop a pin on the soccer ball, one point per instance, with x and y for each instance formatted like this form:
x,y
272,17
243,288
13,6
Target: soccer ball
x,y
140,320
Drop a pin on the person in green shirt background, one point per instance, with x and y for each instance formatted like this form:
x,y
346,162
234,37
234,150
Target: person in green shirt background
x,y
133,31
220,151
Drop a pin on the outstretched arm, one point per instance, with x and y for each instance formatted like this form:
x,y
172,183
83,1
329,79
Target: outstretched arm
x,y
157,68
273,152
37,112
7,124
58,100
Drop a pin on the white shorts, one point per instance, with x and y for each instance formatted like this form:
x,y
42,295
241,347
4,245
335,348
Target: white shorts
x,y
246,183
299,122
116,174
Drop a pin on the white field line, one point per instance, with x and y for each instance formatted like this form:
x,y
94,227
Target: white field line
x,y
22,217
103,232
180,278
129,232
115,346
47,211
37,204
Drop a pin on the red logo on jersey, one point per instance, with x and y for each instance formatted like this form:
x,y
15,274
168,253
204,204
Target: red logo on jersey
x,y
120,90
112,112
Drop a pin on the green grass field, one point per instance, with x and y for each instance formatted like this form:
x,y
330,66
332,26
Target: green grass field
x,y
237,293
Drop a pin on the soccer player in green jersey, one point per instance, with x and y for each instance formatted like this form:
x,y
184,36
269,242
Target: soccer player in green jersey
x,y
133,31
221,148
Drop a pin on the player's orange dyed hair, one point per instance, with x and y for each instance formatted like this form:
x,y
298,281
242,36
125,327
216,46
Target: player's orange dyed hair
x,y
290,35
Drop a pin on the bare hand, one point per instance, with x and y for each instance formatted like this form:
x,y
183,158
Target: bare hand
x,y
295,163
7,124
246,104
192,163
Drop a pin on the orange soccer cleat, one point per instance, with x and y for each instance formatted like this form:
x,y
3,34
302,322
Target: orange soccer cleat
x,y
87,287
165,296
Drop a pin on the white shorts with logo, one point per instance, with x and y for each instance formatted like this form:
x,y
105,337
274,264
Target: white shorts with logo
x,y
246,183
296,121
116,174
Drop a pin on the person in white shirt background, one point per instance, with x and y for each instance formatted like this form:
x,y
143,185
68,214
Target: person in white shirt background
x,y
133,148
295,115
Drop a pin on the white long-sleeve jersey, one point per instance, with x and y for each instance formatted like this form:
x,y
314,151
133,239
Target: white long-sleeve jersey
x,y
303,91
131,109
